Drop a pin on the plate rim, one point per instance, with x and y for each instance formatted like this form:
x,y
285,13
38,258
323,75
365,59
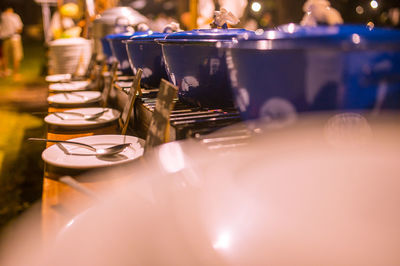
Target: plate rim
x,y
73,103
85,83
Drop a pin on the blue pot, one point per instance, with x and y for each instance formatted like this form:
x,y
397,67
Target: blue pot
x,y
198,67
277,74
145,53
107,51
118,49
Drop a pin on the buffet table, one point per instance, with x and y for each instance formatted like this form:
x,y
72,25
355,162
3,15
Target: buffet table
x,y
63,199
66,193
61,202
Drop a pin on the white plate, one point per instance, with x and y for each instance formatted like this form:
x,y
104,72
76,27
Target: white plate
x,y
75,97
124,84
58,77
82,158
76,120
69,86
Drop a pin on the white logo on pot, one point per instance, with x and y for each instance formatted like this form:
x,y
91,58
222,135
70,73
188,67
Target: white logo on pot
x,y
214,66
147,72
278,112
125,64
188,82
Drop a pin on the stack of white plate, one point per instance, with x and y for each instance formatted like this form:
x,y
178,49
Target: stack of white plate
x,y
69,56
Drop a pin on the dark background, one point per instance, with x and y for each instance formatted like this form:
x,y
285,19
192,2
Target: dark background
x,y
278,11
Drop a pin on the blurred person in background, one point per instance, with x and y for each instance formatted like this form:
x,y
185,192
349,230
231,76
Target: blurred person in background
x,y
62,24
10,32
2,67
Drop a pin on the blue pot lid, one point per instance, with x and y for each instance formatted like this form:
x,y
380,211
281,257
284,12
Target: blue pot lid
x,y
150,36
292,35
206,34
125,35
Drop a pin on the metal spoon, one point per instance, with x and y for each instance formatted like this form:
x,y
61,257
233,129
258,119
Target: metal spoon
x,y
104,151
67,94
85,116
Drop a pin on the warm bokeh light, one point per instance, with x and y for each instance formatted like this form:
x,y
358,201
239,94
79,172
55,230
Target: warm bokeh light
x,y
374,4
356,38
256,6
360,10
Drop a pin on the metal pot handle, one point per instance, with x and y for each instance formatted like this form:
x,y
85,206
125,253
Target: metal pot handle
x,y
121,18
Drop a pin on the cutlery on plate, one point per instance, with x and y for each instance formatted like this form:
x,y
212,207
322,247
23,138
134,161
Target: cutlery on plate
x,y
67,94
85,116
102,151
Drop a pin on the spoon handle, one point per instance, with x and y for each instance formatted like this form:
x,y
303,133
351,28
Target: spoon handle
x,y
69,113
77,94
87,146
61,112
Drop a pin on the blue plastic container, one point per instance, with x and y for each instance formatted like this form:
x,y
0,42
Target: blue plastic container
x,y
118,49
196,64
303,69
145,53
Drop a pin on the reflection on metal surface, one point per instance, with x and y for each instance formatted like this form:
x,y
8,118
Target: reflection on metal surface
x,y
232,69
70,223
171,157
242,99
223,241
291,27
271,35
264,44
259,31
173,79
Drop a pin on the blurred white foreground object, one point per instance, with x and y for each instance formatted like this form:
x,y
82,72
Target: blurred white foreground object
x,y
320,192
